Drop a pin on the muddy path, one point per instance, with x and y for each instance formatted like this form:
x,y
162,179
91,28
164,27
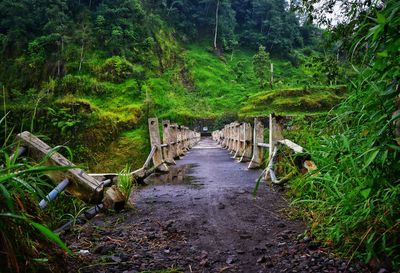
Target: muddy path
x,y
201,217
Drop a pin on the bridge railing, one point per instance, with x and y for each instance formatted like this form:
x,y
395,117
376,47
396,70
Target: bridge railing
x,y
246,143
100,188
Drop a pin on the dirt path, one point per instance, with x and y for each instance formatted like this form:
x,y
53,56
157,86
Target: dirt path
x,y
201,217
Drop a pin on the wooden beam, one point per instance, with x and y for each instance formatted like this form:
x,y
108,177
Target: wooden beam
x,y
258,137
155,141
167,140
81,184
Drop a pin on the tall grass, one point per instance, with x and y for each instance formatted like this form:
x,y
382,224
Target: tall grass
x,y
352,201
126,183
24,237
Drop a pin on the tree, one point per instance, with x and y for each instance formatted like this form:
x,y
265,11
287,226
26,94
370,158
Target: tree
x,y
216,26
261,65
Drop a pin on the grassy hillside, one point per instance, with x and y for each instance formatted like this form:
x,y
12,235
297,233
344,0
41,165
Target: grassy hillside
x,y
102,110
297,101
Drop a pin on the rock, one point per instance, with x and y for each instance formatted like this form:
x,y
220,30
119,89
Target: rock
x,y
245,236
313,245
115,259
240,251
104,249
261,259
281,225
230,260
124,257
84,252
221,206
383,270
98,249
204,262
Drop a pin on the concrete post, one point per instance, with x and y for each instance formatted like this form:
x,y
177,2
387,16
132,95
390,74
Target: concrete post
x,y
258,137
167,139
156,142
248,136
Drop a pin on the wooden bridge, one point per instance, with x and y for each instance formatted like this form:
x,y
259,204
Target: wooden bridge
x,y
243,140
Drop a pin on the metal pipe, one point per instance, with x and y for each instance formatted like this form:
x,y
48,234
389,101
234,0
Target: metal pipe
x,y
106,182
18,153
53,194
88,214
264,145
102,174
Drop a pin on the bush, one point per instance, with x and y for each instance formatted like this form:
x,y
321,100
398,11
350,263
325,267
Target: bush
x,y
118,69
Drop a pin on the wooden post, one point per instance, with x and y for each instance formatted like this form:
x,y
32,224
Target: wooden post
x,y
181,151
232,148
156,142
229,140
167,139
248,136
175,145
81,184
275,133
240,141
114,199
226,137
236,142
231,137
220,136
184,139
258,137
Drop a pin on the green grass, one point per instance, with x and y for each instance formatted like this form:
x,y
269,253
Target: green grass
x,y
293,101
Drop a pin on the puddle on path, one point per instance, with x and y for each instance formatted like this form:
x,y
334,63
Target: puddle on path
x,y
177,175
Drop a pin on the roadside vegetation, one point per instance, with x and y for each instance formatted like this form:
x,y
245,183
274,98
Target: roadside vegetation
x,y
88,74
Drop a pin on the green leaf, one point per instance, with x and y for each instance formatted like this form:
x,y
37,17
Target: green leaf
x,y
51,236
370,157
6,195
383,54
257,185
365,193
381,18
44,230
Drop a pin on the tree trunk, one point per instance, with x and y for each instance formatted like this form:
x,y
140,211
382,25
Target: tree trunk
x,y
216,26
271,79
81,59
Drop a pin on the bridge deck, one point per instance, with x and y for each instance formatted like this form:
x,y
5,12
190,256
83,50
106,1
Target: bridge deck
x,y
200,217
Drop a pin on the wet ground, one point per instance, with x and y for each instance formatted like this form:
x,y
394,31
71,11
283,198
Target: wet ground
x,y
202,217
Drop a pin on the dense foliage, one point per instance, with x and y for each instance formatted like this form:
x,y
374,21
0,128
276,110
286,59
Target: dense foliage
x,y
90,72
352,201
248,23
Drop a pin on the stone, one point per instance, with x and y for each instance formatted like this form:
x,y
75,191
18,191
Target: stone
x,y
230,260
